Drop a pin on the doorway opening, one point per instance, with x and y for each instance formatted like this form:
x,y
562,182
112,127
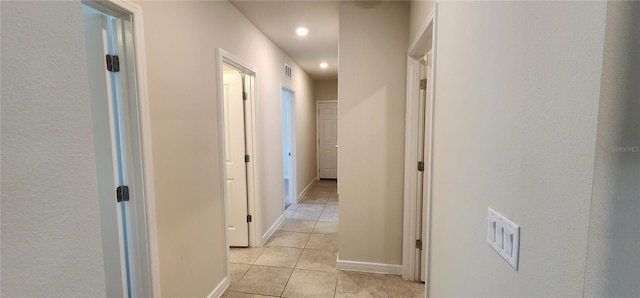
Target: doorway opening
x,y
119,109
288,146
236,83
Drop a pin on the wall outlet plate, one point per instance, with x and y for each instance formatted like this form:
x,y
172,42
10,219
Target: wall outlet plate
x,y
503,235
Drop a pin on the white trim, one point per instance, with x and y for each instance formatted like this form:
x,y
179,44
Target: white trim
x,y
318,102
306,189
149,241
272,229
252,166
368,267
221,287
425,40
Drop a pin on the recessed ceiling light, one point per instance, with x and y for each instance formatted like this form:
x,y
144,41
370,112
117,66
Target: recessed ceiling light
x,y
302,31
324,65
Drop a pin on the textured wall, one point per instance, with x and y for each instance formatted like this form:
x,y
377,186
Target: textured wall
x,y
182,38
51,242
373,57
517,92
613,264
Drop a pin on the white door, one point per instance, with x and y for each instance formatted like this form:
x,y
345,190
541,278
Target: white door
x,y
328,140
118,153
288,137
425,139
235,150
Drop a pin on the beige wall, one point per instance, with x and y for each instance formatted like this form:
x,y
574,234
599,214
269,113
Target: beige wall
x,y
326,89
613,258
305,127
51,243
418,14
182,38
373,36
517,91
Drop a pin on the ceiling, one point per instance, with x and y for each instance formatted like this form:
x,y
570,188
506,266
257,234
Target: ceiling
x,y
278,20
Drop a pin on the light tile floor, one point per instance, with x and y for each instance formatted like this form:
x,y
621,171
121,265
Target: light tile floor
x,y
299,260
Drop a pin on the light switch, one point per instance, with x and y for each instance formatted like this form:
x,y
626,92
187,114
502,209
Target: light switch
x,y
503,236
508,242
499,236
491,233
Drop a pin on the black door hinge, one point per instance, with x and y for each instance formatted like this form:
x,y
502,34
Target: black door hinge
x,y
113,63
247,158
244,95
421,166
249,219
122,193
419,244
423,84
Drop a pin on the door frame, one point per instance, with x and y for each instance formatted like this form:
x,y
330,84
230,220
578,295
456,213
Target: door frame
x,y
253,200
425,40
318,102
147,240
294,171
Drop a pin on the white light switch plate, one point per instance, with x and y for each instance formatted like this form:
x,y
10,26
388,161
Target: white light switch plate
x,y
503,236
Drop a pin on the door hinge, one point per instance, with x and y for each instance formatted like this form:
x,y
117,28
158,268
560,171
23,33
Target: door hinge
x,y
113,63
249,219
419,244
423,84
122,193
247,158
421,166
244,95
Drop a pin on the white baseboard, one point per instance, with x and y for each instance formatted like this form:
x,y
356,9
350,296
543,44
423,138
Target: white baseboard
x,y
272,229
369,267
306,189
219,290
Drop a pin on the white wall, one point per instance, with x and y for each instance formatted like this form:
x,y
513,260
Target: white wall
x,y
326,89
517,91
373,41
613,263
182,38
51,243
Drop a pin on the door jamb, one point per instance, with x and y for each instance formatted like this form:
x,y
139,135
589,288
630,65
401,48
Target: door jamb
x,y
149,238
318,102
425,39
294,168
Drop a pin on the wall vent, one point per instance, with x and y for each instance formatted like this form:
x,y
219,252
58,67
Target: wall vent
x,y
287,71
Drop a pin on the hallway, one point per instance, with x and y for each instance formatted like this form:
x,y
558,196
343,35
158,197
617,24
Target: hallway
x,y
300,258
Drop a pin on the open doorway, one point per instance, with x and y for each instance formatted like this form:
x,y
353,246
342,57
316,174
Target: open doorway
x,y
237,141
288,146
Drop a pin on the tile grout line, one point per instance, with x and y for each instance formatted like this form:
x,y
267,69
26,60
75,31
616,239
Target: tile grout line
x,y
294,267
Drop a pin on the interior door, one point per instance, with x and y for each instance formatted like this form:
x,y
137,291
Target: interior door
x,y
328,140
113,90
426,131
235,150
95,26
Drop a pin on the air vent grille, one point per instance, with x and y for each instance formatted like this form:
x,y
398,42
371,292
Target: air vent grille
x,y
287,71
